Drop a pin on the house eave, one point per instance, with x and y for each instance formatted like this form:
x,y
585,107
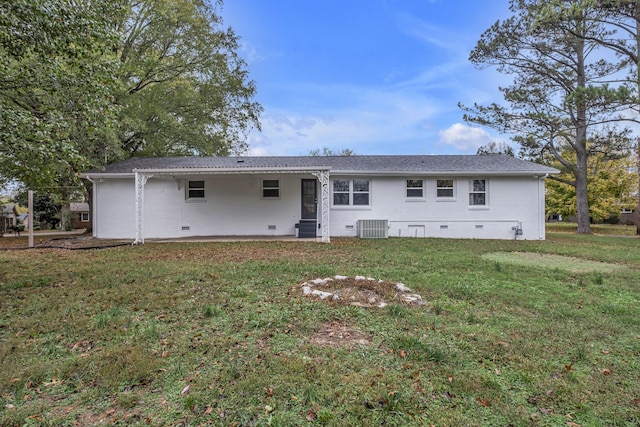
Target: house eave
x,y
294,170
445,173
239,170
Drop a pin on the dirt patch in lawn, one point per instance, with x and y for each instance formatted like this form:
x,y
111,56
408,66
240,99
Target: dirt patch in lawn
x,y
560,262
359,291
339,335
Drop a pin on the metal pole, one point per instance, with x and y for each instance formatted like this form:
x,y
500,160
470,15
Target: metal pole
x,y
30,196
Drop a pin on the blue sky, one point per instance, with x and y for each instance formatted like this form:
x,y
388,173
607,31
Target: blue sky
x,y
373,76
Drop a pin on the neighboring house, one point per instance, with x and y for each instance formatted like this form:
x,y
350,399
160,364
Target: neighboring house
x,y
80,214
7,218
487,197
628,216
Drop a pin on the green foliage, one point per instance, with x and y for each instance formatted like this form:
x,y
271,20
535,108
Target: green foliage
x,y
326,151
56,87
85,82
496,148
612,183
46,209
185,89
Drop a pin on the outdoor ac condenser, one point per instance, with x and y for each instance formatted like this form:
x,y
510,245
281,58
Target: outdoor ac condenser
x,y
373,228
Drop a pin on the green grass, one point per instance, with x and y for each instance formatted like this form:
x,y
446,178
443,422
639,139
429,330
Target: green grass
x,y
601,229
218,334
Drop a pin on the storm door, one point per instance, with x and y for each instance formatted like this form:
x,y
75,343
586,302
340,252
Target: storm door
x,y
309,200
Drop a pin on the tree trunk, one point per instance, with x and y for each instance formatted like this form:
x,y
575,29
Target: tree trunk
x,y
582,196
582,154
638,207
65,212
88,189
637,19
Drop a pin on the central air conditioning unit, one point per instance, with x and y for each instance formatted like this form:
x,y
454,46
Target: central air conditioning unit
x,y
373,228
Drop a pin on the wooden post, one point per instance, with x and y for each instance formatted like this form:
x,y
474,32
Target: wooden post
x,y
30,196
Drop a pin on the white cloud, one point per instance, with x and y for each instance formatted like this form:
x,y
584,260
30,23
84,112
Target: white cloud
x,y
466,138
367,121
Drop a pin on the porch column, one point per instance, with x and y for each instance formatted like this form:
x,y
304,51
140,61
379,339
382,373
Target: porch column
x,y
323,178
140,181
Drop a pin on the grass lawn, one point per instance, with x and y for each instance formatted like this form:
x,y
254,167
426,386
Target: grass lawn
x,y
512,333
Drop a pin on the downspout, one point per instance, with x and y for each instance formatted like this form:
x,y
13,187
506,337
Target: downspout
x,y
541,201
139,182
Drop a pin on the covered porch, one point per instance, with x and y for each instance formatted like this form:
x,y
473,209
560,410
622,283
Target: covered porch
x,y
213,193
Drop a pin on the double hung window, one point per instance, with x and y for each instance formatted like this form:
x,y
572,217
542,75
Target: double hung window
x,y
195,190
444,189
415,189
478,192
270,189
351,192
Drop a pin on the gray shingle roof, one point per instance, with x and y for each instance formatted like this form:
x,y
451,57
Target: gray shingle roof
x,y
403,164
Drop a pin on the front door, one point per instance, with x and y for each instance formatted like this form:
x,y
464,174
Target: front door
x,y
309,200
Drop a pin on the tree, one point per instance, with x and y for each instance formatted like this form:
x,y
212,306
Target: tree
x,y
85,82
611,185
46,208
326,151
562,87
496,148
622,18
56,87
185,89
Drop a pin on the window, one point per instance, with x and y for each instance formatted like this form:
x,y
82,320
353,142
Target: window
x,y
341,192
415,188
270,189
84,216
351,192
361,192
195,190
478,192
444,188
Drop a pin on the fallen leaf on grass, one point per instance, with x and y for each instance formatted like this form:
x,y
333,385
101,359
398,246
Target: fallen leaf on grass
x,y
311,415
185,390
483,402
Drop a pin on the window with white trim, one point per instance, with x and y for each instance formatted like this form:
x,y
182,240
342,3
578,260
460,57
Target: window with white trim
x,y
84,216
360,192
478,192
270,188
415,189
444,188
351,192
195,190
